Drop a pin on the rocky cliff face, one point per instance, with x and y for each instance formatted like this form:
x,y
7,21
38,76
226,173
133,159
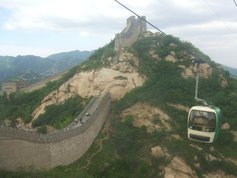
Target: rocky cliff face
x,y
118,79
154,119
147,129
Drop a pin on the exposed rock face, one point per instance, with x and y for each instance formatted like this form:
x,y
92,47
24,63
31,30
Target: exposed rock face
x,y
96,81
118,79
154,55
219,174
20,123
210,157
126,62
55,97
151,34
179,169
171,57
180,107
158,152
223,81
144,115
225,126
205,71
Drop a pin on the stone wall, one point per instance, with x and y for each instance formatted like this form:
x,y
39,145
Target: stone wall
x,y
24,149
135,27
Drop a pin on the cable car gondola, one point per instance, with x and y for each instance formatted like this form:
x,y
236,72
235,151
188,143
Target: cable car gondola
x,y
209,129
204,122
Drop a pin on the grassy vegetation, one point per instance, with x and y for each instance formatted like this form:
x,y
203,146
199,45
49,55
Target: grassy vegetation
x,y
42,129
120,157
60,115
127,151
99,58
23,104
166,85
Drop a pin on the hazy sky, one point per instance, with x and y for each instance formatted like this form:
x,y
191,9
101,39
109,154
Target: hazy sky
x,y
44,27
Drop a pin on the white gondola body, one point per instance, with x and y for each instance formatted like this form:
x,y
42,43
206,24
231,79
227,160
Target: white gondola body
x,y
203,132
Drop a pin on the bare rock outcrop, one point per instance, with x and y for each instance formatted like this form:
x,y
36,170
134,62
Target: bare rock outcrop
x,y
154,55
118,79
225,126
171,57
218,174
223,81
55,97
20,123
94,82
205,71
158,152
179,107
153,118
179,169
126,62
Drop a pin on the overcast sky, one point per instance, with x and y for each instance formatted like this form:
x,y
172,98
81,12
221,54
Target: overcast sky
x,y
44,27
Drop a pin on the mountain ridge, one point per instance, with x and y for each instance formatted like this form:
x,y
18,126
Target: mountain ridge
x,y
146,132
231,70
11,67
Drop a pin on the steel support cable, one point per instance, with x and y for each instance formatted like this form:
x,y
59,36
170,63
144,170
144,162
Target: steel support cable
x,y
142,18
218,16
151,24
196,61
235,2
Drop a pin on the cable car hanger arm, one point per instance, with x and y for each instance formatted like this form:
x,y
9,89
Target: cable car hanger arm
x,y
196,64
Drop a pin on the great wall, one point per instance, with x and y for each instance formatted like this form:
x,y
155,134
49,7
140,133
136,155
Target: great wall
x,y
35,151
22,149
135,28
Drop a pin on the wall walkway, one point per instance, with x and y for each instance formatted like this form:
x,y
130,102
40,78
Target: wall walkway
x,y
19,148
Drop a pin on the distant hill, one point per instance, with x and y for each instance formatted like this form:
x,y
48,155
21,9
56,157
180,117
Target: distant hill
x,y
232,71
152,85
13,66
72,54
66,60
35,67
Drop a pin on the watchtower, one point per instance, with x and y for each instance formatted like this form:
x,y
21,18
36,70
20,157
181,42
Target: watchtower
x,y
135,27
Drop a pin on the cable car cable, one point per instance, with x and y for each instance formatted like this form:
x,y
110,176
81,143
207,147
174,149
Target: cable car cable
x,y
218,16
141,18
235,3
196,61
207,136
184,48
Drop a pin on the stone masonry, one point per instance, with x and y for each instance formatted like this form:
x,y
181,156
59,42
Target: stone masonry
x,y
22,149
135,28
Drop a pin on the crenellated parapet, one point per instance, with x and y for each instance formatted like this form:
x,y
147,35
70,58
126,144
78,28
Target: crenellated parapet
x,y
22,149
135,27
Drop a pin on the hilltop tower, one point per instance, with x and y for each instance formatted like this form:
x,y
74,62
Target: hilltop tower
x,y
13,86
135,27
